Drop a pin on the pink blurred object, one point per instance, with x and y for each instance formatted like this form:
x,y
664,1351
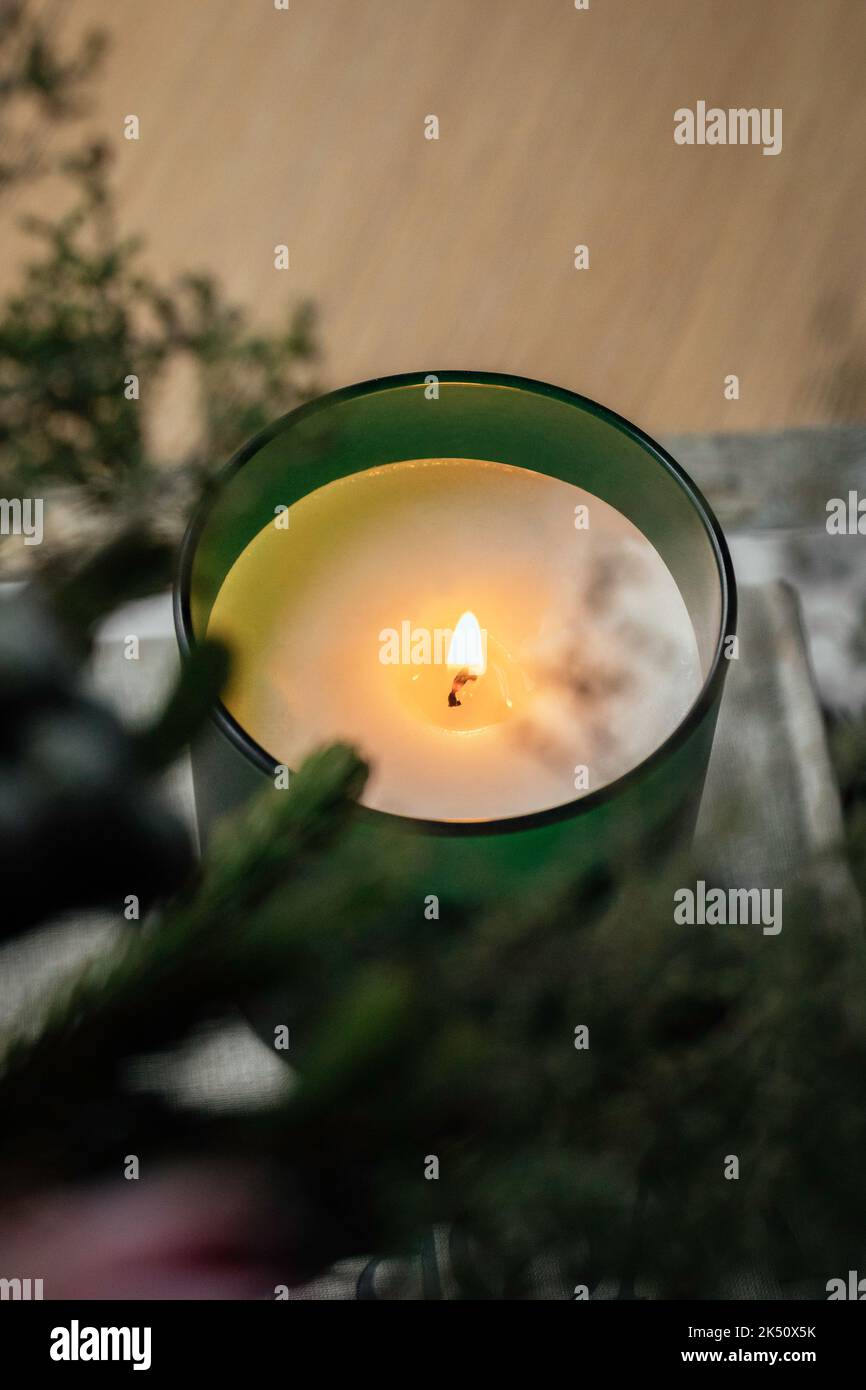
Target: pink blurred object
x,y
187,1232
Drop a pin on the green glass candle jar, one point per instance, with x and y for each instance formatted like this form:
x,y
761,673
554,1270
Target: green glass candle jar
x,y
345,538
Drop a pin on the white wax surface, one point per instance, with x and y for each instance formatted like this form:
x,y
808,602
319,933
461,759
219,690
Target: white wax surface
x,y
596,634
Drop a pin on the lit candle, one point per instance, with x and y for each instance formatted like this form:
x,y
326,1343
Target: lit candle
x,y
511,600
496,642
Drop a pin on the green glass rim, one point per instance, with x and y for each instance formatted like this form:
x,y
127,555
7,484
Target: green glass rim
x,y
710,691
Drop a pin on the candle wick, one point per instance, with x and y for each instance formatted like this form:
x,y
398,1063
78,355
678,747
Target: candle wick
x,y
457,684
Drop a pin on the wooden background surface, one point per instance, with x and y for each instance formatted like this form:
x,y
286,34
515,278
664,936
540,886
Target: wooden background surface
x,y
307,127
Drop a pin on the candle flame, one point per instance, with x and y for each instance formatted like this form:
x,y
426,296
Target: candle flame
x,y
467,647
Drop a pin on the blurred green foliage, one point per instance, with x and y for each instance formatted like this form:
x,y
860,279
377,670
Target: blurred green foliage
x,y
87,318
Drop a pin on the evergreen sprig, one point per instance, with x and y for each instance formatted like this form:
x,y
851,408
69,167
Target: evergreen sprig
x,y
455,1038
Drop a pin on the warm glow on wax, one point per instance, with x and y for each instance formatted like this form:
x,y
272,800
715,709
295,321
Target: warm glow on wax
x,y
448,617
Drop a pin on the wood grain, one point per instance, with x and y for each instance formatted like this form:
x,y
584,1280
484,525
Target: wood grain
x,y
307,127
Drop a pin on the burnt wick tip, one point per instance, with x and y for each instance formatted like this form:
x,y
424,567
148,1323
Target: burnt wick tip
x,y
457,684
